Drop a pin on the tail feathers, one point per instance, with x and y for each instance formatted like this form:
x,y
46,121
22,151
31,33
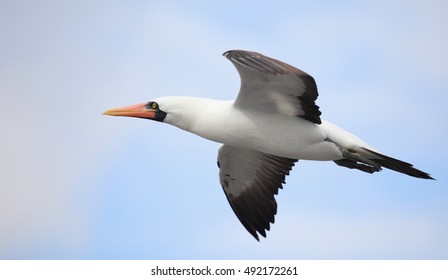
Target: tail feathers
x,y
369,161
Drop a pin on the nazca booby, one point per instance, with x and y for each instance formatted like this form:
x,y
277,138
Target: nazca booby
x,y
272,124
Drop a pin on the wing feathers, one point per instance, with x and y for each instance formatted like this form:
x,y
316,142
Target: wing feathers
x,y
250,179
266,81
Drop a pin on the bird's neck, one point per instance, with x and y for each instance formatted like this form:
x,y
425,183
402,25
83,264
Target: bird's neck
x,y
200,116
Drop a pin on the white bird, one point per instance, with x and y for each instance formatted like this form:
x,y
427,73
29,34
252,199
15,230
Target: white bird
x,y
272,124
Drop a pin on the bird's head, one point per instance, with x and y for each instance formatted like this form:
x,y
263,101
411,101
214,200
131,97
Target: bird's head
x,y
149,110
180,111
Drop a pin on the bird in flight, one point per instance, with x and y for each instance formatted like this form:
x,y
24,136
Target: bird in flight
x,y
273,123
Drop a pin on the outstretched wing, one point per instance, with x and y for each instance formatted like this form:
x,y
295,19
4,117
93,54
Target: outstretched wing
x,y
274,86
250,179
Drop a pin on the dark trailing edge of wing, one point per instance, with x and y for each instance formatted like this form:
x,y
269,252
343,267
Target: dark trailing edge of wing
x,y
256,207
267,65
307,100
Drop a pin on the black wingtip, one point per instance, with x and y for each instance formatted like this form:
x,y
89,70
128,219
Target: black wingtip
x,y
236,53
227,53
231,54
255,232
256,237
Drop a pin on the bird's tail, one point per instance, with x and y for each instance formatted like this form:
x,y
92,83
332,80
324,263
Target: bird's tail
x,y
370,161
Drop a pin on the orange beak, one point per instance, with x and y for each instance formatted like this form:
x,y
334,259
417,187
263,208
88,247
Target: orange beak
x,y
136,111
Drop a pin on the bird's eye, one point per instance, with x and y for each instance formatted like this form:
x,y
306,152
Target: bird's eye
x,y
152,105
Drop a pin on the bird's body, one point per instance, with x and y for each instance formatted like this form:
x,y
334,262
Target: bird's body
x,y
272,124
274,133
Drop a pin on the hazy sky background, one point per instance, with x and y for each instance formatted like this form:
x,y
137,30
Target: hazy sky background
x,y
75,184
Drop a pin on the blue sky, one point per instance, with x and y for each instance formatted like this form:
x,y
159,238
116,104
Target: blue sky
x,y
75,184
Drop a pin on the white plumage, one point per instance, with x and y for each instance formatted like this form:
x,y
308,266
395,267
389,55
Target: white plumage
x,y
273,122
